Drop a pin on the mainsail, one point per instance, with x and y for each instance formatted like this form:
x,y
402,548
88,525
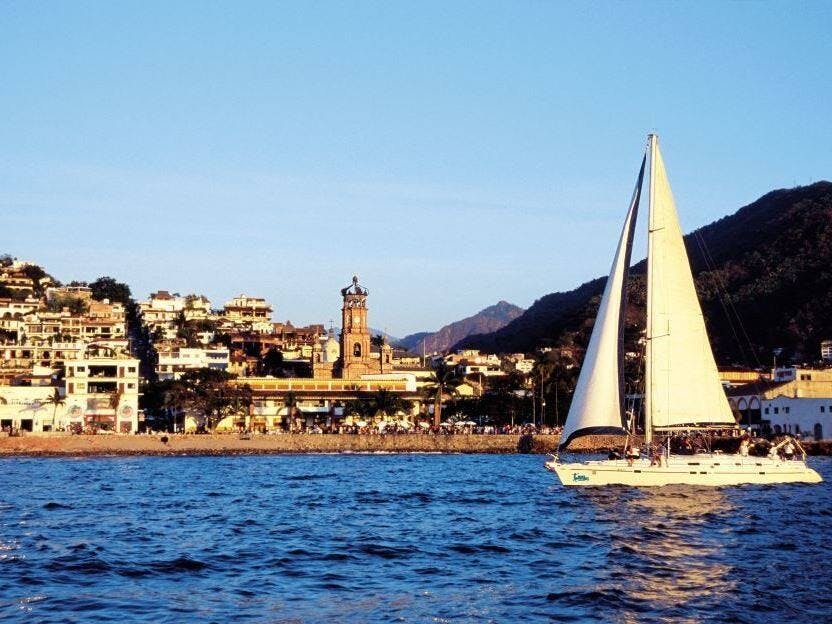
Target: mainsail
x,y
682,385
596,407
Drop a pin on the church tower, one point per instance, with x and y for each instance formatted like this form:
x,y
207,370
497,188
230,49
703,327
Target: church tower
x,y
355,334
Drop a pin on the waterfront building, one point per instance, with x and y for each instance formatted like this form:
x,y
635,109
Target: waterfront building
x,y
103,392
826,350
279,401
26,408
800,416
795,400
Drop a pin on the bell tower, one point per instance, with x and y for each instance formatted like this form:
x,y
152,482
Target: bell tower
x,y
355,334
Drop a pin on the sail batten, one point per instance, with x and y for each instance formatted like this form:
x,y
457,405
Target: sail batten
x,y
682,386
596,407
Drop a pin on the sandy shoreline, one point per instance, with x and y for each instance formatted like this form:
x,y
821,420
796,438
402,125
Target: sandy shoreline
x,y
83,445
48,445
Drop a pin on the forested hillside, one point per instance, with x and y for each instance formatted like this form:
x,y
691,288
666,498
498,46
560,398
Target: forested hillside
x,y
764,277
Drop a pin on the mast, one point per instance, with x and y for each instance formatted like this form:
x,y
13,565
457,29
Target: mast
x,y
648,360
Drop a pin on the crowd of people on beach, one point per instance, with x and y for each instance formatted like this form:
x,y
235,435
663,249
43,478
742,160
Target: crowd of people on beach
x,y
393,428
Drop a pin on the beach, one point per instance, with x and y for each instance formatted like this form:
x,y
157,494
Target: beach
x,y
231,444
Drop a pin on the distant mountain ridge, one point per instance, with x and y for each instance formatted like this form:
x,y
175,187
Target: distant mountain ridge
x,y
764,272
489,319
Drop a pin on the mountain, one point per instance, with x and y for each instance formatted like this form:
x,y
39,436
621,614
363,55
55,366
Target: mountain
x,y
490,319
763,275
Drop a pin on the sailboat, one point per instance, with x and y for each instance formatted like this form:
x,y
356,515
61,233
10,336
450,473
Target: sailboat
x,y
682,390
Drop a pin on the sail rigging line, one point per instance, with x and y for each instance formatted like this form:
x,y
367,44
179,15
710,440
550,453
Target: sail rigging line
x,y
723,290
723,296
710,266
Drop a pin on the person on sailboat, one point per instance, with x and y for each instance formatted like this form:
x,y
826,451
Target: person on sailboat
x,y
632,453
655,454
788,451
744,444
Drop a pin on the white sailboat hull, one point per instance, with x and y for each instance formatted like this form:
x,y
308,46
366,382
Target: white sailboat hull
x,y
703,470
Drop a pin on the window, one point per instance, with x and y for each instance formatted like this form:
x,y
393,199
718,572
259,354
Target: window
x,y
356,349
786,409
766,410
131,386
776,410
821,409
131,369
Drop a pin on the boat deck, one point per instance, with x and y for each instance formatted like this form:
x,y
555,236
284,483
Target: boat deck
x,y
702,469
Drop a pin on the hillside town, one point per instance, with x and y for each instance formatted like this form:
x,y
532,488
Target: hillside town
x,y
87,358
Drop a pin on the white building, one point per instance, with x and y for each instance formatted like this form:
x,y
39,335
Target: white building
x,y
26,408
796,400
161,311
811,418
174,362
103,392
826,350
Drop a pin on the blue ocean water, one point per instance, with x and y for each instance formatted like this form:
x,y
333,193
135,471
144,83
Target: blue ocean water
x,y
399,538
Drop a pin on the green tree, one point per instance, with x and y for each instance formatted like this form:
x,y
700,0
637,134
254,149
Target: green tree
x,y
76,305
273,362
108,288
209,392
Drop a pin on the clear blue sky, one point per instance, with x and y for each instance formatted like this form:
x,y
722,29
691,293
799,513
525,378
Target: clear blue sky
x,y
452,154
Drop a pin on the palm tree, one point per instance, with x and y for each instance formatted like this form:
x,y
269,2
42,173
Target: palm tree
x,y
380,341
115,399
388,403
290,401
55,400
446,380
541,378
